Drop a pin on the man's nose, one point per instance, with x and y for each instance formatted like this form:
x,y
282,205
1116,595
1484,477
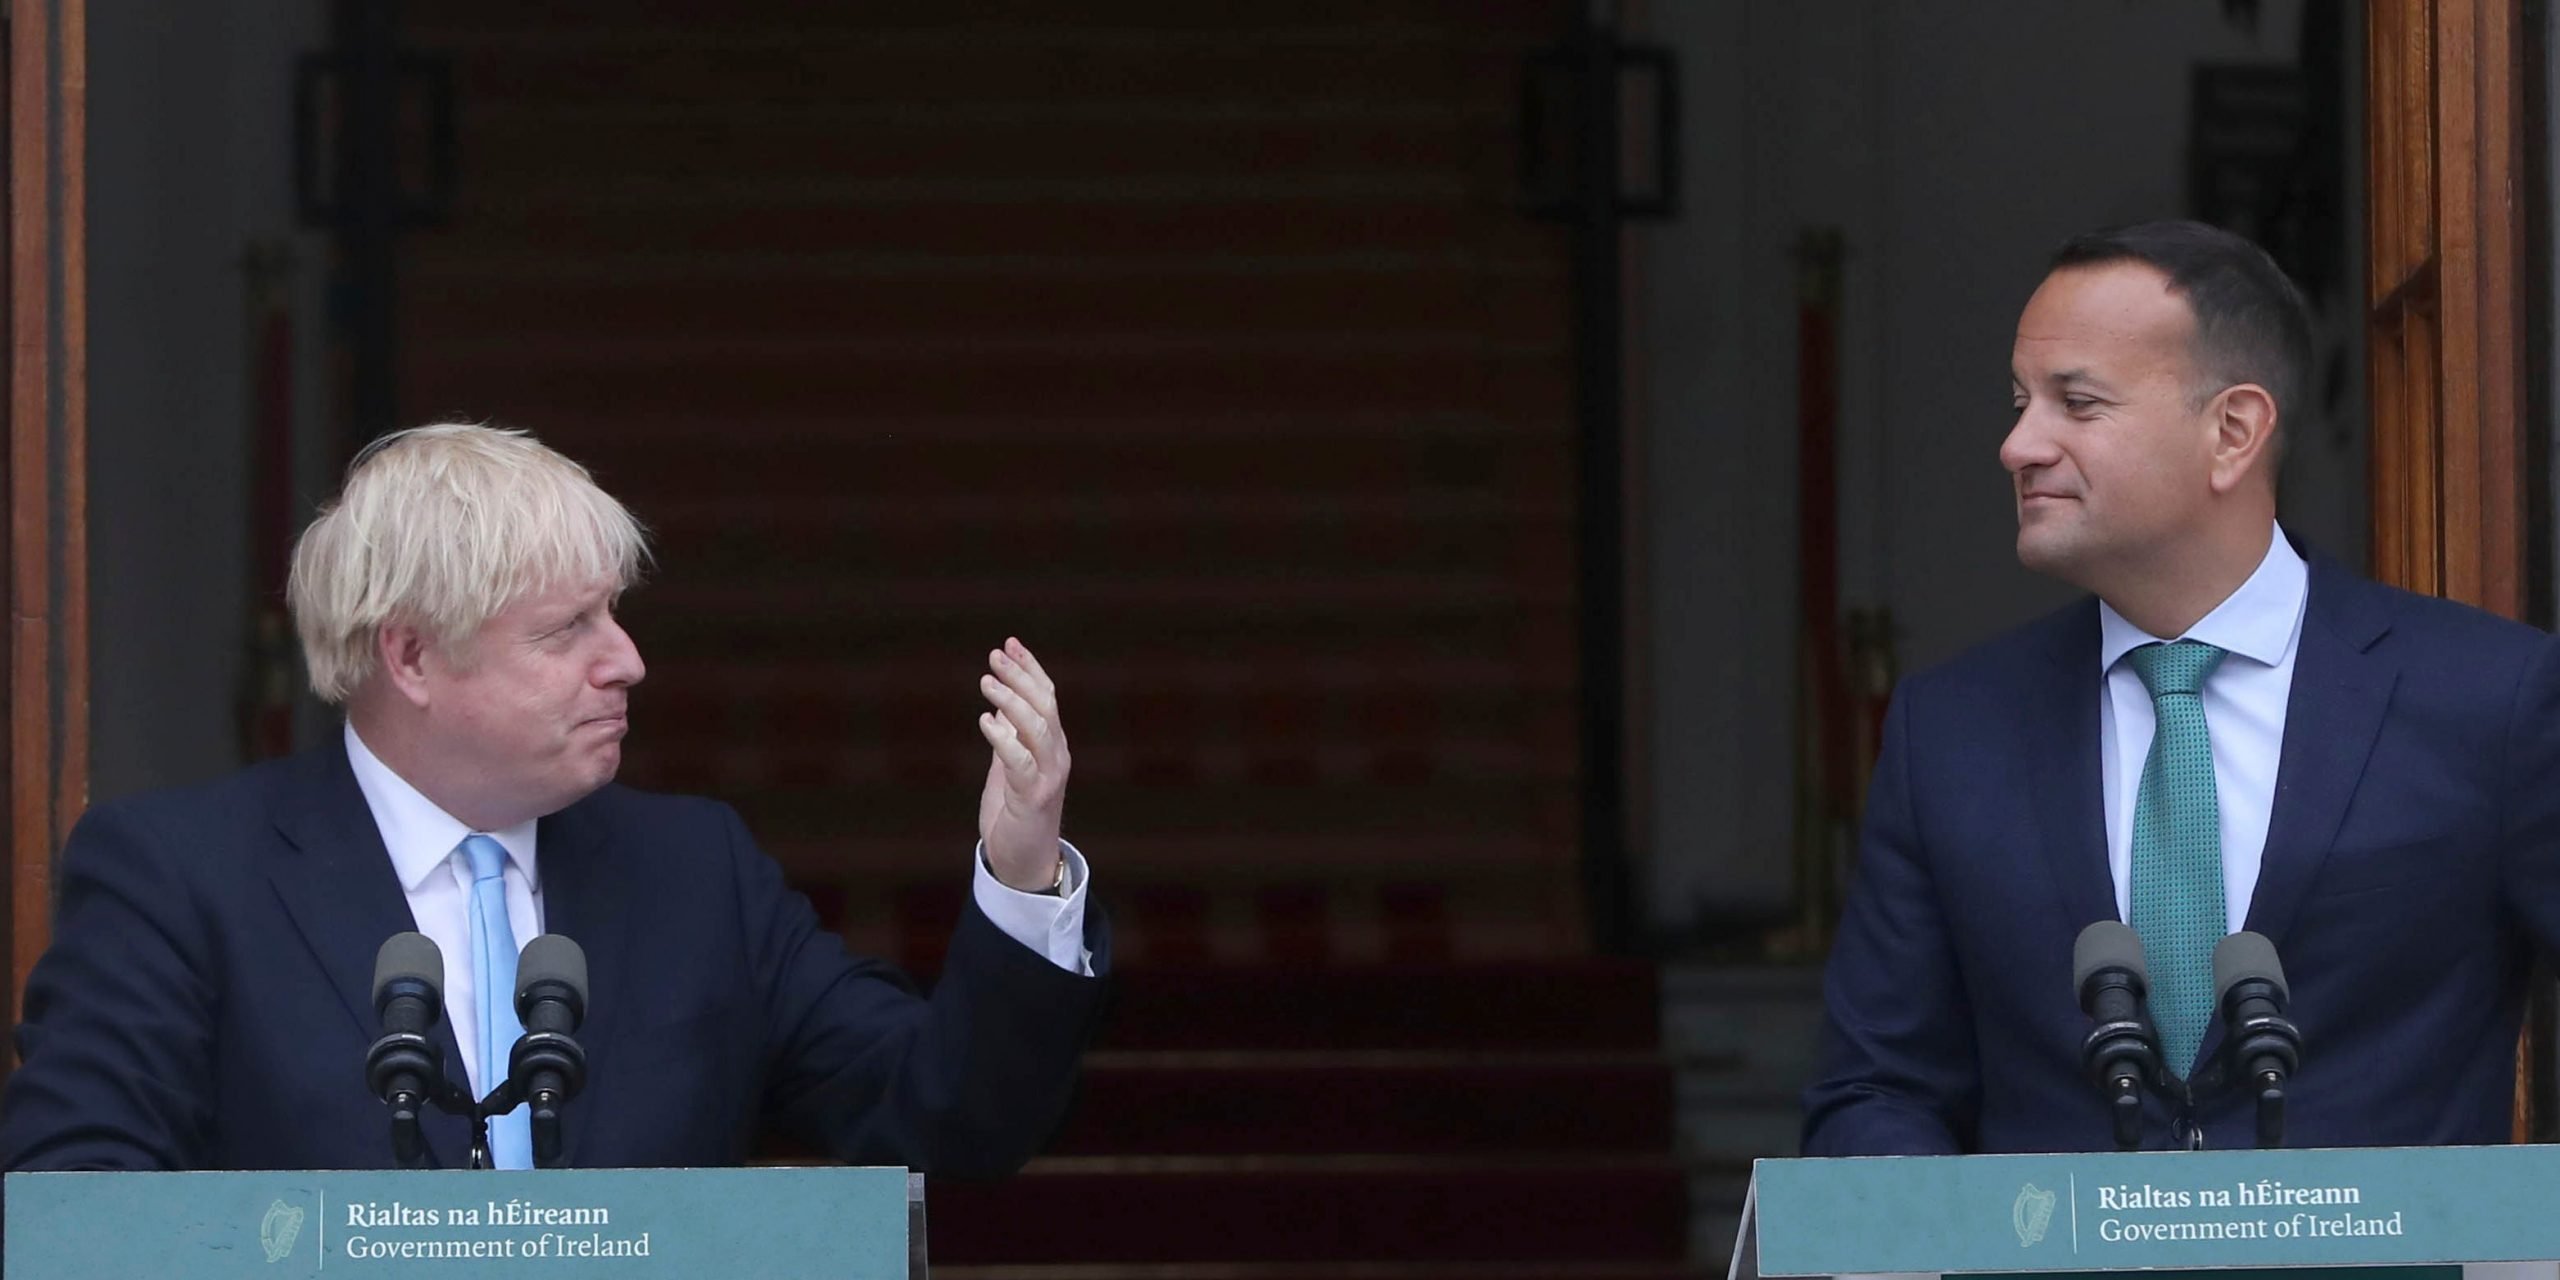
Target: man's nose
x,y
2028,443
622,665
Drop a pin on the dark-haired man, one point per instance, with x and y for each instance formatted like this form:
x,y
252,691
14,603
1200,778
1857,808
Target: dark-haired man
x,y
2233,733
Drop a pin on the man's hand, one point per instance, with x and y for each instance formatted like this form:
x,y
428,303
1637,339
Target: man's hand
x,y
1026,793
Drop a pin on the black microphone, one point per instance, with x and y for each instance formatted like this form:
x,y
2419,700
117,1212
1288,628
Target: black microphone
x,y
2121,1053
551,1000
2261,1045
404,1068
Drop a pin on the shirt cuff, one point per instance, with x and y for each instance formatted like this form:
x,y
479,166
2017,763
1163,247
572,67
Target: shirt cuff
x,y
1049,923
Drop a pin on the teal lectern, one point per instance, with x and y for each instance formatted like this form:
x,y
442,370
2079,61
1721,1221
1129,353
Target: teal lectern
x,y
2419,1211
682,1224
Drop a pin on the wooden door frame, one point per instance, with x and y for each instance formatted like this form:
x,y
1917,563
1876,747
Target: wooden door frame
x,y
2449,227
2445,239
45,645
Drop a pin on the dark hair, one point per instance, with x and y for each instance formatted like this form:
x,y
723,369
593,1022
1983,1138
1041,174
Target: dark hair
x,y
2251,323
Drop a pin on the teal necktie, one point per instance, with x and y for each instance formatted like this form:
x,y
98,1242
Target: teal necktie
x,y
493,978
2177,848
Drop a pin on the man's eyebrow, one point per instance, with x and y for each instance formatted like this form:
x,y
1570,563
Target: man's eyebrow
x,y
2080,377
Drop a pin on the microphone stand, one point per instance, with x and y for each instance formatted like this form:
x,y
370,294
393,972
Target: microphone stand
x,y
2258,1059
454,1100
2263,1053
2125,1044
2257,1062
2262,1048
408,1147
2186,1129
546,1070
402,1067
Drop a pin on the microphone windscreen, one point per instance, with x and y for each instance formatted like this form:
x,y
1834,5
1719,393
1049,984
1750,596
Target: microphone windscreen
x,y
551,958
2244,956
2107,944
408,955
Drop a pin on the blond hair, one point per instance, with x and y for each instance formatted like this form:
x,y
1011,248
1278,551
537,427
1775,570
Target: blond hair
x,y
442,527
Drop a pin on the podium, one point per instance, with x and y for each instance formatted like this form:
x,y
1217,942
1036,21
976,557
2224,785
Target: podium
x,y
2387,1213
682,1224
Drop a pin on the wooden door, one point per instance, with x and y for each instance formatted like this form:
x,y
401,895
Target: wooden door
x,y
44,648
2445,327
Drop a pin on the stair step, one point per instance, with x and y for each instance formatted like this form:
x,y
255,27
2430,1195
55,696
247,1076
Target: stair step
x,y
1249,668
1314,1208
536,384
972,625
923,307
1717,1189
520,149
449,20
1588,1007
1102,225
1277,812
919,852
1377,1103
960,64
574,20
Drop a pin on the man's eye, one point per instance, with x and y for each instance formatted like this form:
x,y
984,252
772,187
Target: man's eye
x,y
2078,404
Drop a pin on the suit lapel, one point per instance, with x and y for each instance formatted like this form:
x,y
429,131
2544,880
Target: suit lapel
x,y
2340,691
335,880
2062,743
586,902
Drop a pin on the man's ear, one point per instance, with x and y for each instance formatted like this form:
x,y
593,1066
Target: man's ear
x,y
404,652
2244,436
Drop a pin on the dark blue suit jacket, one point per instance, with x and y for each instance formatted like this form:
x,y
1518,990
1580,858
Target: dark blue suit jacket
x,y
207,999
2412,867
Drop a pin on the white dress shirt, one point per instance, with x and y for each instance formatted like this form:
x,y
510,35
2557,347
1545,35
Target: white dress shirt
x,y
2260,627
425,844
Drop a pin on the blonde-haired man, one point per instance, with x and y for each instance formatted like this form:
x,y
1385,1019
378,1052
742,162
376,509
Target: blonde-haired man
x,y
207,1001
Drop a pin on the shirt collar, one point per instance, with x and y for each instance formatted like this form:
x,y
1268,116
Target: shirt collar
x,y
2260,621
420,836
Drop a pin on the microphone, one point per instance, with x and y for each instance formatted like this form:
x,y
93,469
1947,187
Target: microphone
x,y
551,1000
2121,1053
403,1068
2261,1045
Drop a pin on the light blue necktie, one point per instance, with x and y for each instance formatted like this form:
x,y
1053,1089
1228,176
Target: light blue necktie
x,y
493,976
2177,848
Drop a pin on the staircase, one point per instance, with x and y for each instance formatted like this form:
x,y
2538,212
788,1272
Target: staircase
x,y
1477,1121
1205,348
1202,346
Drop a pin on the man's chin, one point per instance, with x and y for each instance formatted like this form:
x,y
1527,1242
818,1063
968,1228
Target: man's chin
x,y
2071,562
2042,551
597,772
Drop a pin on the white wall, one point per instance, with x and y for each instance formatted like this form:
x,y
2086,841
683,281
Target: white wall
x,y
1955,145
189,158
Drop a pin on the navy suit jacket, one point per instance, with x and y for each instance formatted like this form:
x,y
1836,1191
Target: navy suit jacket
x,y
2412,868
207,1003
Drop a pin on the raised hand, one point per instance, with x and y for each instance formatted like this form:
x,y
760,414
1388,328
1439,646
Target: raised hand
x,y
1026,793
